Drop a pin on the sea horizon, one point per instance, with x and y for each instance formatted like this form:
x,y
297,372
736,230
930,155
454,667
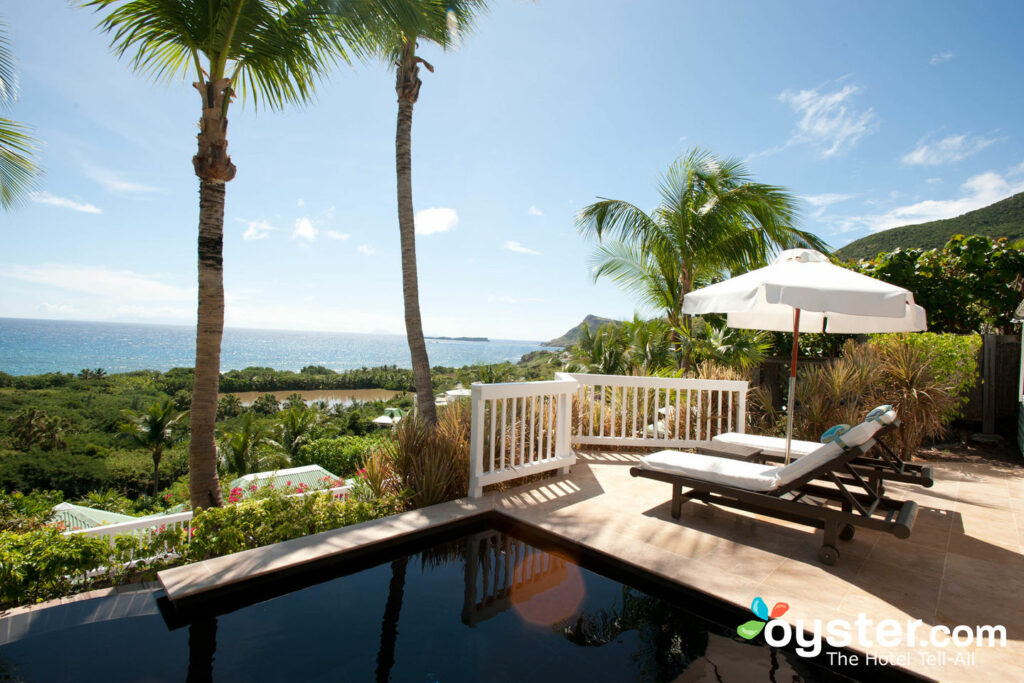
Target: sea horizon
x,y
30,346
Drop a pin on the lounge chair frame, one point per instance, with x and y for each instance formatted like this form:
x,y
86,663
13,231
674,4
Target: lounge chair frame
x,y
881,464
866,508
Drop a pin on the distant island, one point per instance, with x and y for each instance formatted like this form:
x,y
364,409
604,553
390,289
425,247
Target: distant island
x,y
593,322
1005,218
474,339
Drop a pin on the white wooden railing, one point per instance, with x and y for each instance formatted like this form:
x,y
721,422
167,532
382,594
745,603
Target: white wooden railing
x,y
518,429
528,427
662,412
147,526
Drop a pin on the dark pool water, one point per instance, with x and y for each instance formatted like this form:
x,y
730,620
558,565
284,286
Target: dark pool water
x,y
483,607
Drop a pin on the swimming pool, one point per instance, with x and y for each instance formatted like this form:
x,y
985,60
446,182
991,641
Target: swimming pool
x,y
478,604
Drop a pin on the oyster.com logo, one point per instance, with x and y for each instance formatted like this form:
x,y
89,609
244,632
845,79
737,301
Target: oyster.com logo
x,y
752,628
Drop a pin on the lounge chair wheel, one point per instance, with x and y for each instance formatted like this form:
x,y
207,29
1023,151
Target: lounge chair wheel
x,y
847,532
828,554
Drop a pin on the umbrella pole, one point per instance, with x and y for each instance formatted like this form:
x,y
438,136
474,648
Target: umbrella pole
x,y
792,383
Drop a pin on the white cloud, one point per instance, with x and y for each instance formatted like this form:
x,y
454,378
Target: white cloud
x,y
122,285
257,230
366,250
534,211
947,150
820,202
515,300
940,58
827,119
335,235
304,230
978,191
58,308
432,221
63,202
115,182
512,245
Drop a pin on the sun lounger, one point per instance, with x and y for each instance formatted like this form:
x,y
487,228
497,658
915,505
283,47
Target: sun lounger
x,y
813,489
880,464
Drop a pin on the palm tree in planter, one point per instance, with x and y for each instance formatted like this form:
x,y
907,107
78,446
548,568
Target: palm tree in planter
x,y
269,51
155,430
439,24
712,219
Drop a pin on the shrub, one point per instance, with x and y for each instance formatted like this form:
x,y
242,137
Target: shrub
x,y
266,405
71,474
341,455
43,564
27,511
275,517
925,377
432,464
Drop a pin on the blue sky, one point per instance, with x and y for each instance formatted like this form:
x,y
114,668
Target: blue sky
x,y
876,113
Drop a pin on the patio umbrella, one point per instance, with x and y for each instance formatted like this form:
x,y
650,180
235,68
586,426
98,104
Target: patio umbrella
x,y
802,291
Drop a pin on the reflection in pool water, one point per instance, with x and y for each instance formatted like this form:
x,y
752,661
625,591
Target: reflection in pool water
x,y
485,607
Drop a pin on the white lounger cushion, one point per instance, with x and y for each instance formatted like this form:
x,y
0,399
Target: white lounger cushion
x,y
771,445
753,476
776,445
714,470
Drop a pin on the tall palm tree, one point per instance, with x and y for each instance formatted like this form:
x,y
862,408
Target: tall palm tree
x,y
18,162
270,51
154,430
712,219
438,23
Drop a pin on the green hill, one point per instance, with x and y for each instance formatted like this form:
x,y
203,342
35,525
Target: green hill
x,y
1005,218
570,337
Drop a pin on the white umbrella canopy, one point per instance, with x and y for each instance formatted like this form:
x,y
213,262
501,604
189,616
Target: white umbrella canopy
x,y
802,291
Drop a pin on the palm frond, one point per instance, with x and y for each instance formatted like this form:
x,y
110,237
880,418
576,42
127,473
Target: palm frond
x,y
19,163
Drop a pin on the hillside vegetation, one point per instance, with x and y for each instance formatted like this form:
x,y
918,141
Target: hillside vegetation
x,y
1005,218
591,322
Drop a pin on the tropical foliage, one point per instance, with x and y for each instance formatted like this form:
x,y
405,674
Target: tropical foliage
x,y
972,284
924,376
30,427
19,165
250,448
154,430
712,219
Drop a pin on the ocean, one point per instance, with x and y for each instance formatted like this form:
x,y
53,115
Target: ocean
x,y
29,347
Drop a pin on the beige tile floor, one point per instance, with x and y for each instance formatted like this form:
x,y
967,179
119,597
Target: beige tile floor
x,y
963,563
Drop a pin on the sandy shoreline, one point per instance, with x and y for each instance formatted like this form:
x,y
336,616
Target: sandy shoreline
x,y
332,396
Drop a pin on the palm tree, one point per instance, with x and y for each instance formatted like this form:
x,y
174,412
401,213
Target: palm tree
x,y
712,219
240,451
296,428
272,52
18,162
437,23
153,430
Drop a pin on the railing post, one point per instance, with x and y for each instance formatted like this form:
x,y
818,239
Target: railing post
x,y
562,435
476,442
741,413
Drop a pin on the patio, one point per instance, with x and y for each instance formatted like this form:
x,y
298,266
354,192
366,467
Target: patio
x,y
963,564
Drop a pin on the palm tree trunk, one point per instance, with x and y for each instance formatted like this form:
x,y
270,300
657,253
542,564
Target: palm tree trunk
x,y
389,625
156,474
214,168
407,85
